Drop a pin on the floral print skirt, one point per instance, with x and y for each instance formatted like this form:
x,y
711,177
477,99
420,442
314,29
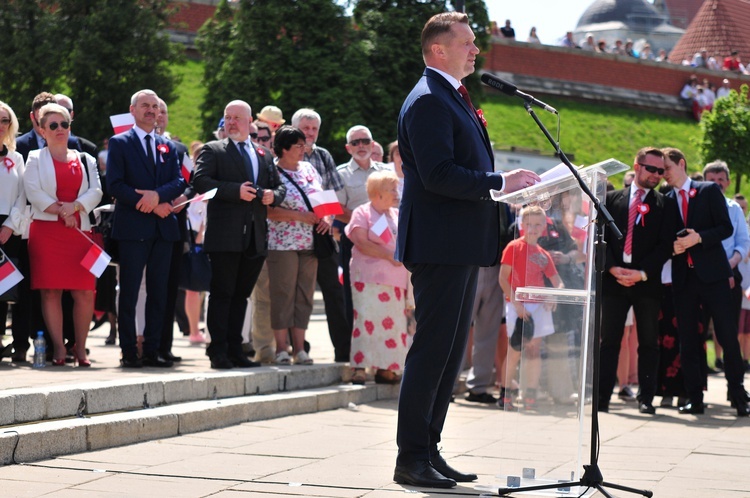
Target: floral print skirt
x,y
379,336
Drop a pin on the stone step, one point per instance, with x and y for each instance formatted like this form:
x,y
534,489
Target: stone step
x,y
48,439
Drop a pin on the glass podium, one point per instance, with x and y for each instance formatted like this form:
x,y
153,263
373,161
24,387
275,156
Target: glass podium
x,y
546,425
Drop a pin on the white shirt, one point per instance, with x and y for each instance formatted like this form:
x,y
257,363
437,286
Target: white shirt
x,y
250,152
142,137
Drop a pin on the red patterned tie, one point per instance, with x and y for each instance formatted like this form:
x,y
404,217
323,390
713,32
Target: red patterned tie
x,y
632,214
465,94
684,206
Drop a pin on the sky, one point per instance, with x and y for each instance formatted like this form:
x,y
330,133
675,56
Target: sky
x,y
552,18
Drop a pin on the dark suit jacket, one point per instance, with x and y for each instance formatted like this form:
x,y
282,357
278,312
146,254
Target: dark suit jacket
x,y
652,239
707,215
231,221
28,142
446,215
128,170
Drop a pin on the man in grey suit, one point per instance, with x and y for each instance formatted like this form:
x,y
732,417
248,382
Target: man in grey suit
x,y
246,181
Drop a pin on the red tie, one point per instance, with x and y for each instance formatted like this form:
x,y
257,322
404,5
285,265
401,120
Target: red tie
x,y
684,206
632,214
465,94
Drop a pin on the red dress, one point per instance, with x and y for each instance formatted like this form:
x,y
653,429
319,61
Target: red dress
x,y
55,251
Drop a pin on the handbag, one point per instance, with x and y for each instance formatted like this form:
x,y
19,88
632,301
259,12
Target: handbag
x,y
324,245
195,272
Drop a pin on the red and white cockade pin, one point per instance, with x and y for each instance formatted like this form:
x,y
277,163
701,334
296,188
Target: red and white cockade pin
x,y
554,234
643,210
8,162
480,115
163,148
692,193
260,152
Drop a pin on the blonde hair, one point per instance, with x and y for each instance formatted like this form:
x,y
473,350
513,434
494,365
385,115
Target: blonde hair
x,y
380,181
48,109
10,136
531,211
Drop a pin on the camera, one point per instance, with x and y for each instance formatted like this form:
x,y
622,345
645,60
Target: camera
x,y
259,191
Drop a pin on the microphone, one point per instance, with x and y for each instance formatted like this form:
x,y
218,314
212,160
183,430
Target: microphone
x,y
512,90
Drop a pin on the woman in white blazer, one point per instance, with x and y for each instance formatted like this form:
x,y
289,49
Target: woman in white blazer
x,y
14,221
62,186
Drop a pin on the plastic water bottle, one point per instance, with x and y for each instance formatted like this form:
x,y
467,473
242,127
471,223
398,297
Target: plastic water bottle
x,y
40,351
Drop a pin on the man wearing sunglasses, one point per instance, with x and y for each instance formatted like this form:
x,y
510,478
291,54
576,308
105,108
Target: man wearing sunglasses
x,y
265,135
633,274
354,174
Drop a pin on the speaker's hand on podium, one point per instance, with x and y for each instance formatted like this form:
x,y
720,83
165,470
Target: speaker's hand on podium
x,y
519,179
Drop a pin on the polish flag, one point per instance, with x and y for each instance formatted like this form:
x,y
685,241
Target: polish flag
x,y
325,203
186,168
381,229
9,274
203,197
122,122
95,260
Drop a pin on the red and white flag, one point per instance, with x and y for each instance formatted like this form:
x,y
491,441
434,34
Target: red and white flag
x,y
9,274
96,260
186,168
203,197
325,203
122,122
381,229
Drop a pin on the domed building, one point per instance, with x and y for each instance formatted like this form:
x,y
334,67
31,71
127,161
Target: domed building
x,y
638,20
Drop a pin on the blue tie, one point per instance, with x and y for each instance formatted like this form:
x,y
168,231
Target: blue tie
x,y
247,161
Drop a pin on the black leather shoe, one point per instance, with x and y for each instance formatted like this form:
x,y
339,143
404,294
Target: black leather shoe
x,y
481,398
243,362
646,408
693,408
421,473
221,363
156,361
131,362
739,399
168,356
438,463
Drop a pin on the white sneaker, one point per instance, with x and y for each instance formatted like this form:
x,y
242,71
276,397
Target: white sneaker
x,y
282,358
302,358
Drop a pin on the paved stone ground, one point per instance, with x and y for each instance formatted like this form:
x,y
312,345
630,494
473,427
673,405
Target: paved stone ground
x,y
351,452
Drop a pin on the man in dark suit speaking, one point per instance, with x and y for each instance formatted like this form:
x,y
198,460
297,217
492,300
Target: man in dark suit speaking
x,y
633,276
143,175
236,230
448,227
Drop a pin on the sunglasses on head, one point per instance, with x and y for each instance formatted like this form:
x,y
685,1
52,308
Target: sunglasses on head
x,y
652,169
360,141
53,125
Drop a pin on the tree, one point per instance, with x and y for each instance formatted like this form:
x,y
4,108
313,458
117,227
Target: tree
x,y
29,36
725,130
116,47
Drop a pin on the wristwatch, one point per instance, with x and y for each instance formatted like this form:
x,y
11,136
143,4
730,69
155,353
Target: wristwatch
x,y
644,277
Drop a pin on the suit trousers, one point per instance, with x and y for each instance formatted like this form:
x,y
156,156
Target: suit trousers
x,y
339,328
444,297
173,280
233,276
135,255
346,246
614,313
487,317
715,298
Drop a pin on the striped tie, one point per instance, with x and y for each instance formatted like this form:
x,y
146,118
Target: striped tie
x,y
632,214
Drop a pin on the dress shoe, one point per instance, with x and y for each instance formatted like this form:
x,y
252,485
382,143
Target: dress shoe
x,y
438,463
739,399
170,357
131,362
221,363
6,351
646,408
156,361
603,406
421,473
481,398
243,362
697,408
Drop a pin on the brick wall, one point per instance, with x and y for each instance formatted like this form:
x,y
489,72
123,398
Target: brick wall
x,y
560,63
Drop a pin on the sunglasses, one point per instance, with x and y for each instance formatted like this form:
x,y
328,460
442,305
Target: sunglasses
x,y
360,141
652,169
263,139
253,136
53,126
5,121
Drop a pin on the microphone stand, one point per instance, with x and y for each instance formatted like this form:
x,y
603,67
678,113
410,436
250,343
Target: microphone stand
x,y
592,476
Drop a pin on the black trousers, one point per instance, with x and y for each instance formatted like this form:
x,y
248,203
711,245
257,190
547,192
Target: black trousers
x,y
346,247
444,297
173,279
716,300
339,327
233,276
22,325
614,314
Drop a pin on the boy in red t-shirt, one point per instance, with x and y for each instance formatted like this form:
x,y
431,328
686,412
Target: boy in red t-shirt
x,y
525,264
